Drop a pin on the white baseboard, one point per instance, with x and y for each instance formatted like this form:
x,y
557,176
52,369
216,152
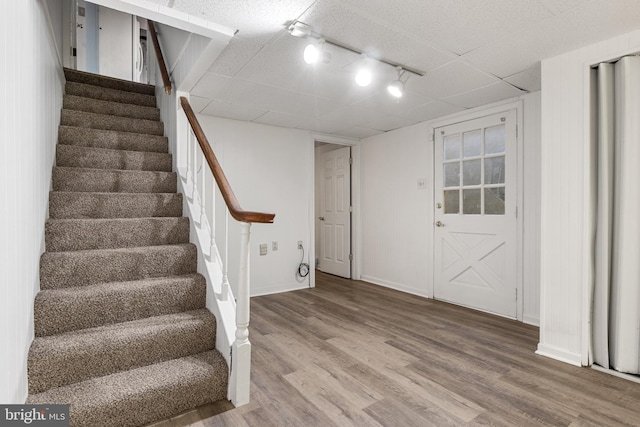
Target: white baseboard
x,y
530,320
277,289
560,354
394,285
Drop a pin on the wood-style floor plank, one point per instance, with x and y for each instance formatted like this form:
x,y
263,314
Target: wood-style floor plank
x,y
349,353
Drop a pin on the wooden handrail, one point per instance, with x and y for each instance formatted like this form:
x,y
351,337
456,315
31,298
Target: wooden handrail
x,y
225,188
161,63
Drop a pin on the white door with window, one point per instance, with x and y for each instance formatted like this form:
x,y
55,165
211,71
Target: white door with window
x,y
475,214
335,214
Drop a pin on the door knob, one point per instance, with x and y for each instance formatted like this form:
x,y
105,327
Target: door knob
x,y
439,224
321,218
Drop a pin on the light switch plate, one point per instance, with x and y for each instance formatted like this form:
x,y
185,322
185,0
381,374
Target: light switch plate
x,y
263,249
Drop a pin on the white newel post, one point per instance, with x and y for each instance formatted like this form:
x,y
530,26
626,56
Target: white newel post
x,y
240,380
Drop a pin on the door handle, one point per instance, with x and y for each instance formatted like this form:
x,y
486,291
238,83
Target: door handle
x,y
321,218
439,224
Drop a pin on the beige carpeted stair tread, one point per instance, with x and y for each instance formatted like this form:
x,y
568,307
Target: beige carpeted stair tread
x,y
82,234
75,356
123,334
80,268
103,158
108,82
143,395
68,309
115,140
106,180
106,94
67,204
120,109
108,122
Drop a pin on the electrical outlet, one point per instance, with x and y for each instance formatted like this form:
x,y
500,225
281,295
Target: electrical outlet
x,y
274,246
263,249
299,244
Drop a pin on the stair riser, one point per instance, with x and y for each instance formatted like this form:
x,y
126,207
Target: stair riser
x,y
70,309
106,122
98,158
113,140
79,234
61,360
60,269
107,82
113,205
105,181
105,94
145,395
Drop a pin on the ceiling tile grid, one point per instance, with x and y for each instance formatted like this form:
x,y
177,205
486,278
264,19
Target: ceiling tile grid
x,y
473,52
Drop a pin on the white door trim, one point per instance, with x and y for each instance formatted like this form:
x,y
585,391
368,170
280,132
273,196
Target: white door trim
x,y
470,115
356,223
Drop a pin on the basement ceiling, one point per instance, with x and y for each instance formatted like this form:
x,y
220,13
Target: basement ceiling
x,y
473,52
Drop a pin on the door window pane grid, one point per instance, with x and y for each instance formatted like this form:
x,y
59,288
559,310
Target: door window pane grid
x,y
474,172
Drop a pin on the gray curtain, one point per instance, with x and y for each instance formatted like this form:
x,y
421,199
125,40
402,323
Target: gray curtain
x,y
616,289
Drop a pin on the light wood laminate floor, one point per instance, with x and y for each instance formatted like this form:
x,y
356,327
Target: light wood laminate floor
x,y
351,353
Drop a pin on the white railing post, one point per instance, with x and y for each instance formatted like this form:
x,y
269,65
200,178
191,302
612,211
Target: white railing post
x,y
240,380
224,293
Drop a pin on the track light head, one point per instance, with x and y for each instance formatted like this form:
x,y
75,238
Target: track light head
x,y
315,53
396,88
364,77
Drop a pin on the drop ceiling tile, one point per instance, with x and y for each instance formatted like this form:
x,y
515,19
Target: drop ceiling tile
x,y
350,116
529,80
235,56
334,20
432,110
486,95
241,92
383,101
198,104
358,132
289,121
233,111
457,26
211,85
559,6
257,20
597,20
450,79
387,123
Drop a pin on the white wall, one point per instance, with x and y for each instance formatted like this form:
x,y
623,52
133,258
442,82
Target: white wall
x,y
397,216
31,83
270,170
394,212
531,209
565,264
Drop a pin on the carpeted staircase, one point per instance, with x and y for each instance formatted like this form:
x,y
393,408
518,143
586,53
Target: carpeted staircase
x,y
122,332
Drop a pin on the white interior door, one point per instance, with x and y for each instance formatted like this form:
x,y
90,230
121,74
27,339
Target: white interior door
x,y
116,44
475,214
335,215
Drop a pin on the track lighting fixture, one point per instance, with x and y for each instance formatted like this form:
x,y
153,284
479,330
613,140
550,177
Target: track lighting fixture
x,y
314,52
